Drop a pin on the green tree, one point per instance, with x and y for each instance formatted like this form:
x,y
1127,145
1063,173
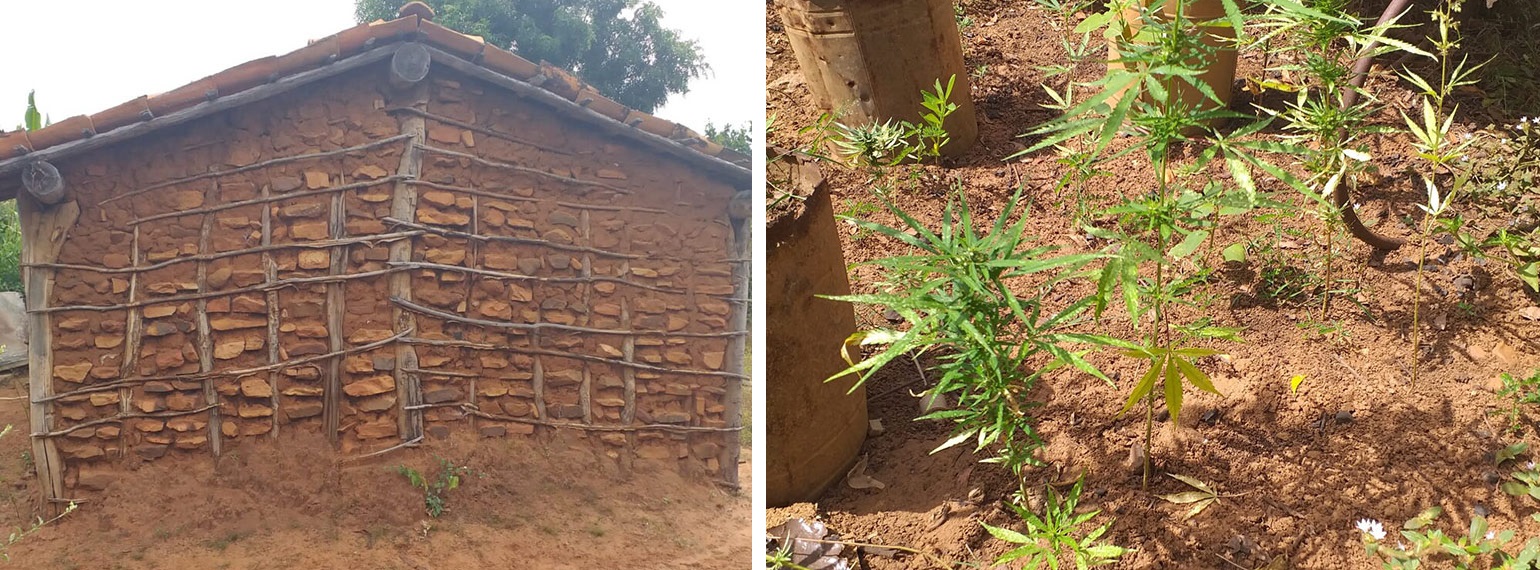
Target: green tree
x,y
734,137
617,46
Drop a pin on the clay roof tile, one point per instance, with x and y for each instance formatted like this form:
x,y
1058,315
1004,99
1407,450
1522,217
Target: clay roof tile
x,y
415,22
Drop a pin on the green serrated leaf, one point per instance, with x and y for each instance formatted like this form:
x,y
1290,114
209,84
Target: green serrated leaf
x,y
1235,252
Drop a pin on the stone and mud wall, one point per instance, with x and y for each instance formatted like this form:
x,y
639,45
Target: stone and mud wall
x,y
387,266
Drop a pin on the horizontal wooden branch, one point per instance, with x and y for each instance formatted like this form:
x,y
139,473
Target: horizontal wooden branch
x,y
279,284
472,410
266,199
561,354
536,327
414,442
523,169
369,239
510,239
227,373
427,406
121,417
259,165
483,130
521,277
516,198
449,373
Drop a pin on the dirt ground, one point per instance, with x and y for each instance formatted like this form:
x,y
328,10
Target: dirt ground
x,y
265,506
1359,439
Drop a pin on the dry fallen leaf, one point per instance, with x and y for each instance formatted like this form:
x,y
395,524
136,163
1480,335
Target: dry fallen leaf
x,y
1531,313
857,478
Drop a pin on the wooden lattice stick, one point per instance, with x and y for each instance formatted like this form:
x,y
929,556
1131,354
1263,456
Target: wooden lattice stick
x,y
403,204
561,354
266,247
597,427
336,307
414,442
523,169
205,336
509,239
251,167
122,417
585,389
474,128
517,198
269,277
628,368
553,326
227,373
449,373
522,277
133,338
279,284
263,200
732,400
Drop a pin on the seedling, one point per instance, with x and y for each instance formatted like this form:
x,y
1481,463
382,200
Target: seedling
x,y
1420,544
1052,536
446,479
1518,392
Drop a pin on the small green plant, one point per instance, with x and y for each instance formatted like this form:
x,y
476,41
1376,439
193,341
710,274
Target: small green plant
x,y
1518,393
1329,119
1431,139
1056,534
952,294
1421,544
22,532
446,479
876,144
890,142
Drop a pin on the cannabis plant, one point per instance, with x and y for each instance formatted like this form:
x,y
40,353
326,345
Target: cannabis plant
x,y
1142,96
993,343
1442,178
1329,119
1056,534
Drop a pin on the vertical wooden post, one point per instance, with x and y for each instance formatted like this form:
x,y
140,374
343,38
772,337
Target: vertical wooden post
x,y
740,248
336,309
585,397
133,336
269,276
403,206
627,373
205,338
43,231
472,255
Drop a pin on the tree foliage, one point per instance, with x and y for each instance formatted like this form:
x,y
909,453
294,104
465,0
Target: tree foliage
x,y
617,46
734,137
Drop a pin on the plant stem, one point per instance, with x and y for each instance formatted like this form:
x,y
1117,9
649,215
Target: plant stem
x,y
1422,255
1331,231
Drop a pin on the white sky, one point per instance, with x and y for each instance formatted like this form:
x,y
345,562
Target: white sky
x,y
84,56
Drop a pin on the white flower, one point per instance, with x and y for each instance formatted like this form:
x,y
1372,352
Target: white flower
x,y
1529,466
1372,528
1502,185
1490,534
